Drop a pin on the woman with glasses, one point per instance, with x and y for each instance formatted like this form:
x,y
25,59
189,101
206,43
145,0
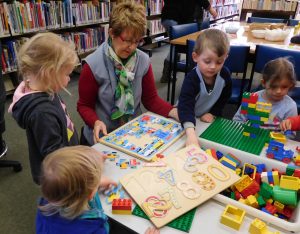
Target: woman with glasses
x,y
117,78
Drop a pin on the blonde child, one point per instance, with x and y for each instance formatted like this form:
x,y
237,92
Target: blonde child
x,y
278,78
207,88
45,62
70,181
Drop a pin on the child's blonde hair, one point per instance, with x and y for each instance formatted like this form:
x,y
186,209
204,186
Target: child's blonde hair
x,y
69,177
278,69
213,39
44,56
128,15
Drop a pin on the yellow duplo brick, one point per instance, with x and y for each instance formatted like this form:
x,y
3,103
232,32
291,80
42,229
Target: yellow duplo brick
x,y
251,105
243,183
242,200
252,201
238,171
279,206
275,177
233,217
289,182
264,119
124,212
270,200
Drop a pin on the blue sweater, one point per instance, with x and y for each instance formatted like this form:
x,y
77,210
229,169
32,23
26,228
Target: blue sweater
x,y
191,92
55,224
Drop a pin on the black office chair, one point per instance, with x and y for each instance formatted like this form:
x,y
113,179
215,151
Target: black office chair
x,y
292,22
264,54
264,20
177,31
240,53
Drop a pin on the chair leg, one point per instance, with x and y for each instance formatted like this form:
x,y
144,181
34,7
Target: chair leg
x,y
17,167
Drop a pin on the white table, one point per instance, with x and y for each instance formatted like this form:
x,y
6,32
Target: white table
x,y
207,216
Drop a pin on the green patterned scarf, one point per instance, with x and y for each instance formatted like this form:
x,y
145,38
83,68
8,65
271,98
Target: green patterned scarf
x,y
124,100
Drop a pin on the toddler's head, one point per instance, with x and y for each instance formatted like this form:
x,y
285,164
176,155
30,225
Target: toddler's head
x,y
278,77
49,59
70,178
210,51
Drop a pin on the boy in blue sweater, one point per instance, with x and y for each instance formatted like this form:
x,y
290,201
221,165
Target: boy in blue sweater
x,y
70,181
207,88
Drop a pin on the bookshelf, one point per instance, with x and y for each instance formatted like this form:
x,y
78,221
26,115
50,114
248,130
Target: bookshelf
x,y
268,8
226,9
78,21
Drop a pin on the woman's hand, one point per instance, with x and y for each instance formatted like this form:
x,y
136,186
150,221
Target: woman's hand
x,y
286,125
191,137
174,114
99,126
207,118
213,12
152,231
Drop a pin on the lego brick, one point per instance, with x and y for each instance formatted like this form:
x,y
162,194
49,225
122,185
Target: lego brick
x,y
121,212
121,204
233,217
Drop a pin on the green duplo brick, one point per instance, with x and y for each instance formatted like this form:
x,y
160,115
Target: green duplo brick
x,y
246,95
182,223
289,170
261,201
266,190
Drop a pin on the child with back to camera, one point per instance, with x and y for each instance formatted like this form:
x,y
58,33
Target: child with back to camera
x,y
207,88
70,181
45,62
278,78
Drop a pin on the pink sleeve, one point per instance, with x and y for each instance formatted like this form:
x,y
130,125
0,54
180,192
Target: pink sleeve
x,y
295,121
88,90
150,98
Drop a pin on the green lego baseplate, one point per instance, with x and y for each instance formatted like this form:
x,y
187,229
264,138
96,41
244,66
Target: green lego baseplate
x,y
230,133
182,223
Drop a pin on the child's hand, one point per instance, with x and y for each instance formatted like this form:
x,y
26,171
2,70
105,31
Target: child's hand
x,y
207,118
191,137
102,156
174,114
99,126
107,183
286,125
152,231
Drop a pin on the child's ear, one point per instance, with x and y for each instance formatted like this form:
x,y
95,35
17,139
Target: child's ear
x,y
110,33
263,83
195,57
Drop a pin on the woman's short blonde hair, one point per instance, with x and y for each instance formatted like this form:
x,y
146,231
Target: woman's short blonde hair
x,y
128,15
69,177
44,56
213,39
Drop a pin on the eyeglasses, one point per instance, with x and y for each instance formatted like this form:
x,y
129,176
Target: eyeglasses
x,y
130,42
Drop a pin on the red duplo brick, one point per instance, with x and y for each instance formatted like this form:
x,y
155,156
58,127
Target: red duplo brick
x,y
287,212
272,209
237,195
121,204
257,178
252,189
297,173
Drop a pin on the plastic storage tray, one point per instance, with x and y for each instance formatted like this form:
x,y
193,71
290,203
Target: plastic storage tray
x,y
293,224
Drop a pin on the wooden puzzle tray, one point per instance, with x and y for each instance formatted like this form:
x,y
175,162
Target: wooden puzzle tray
x,y
145,136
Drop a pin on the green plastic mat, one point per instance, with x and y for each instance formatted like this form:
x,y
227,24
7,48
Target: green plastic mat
x,y
182,223
230,133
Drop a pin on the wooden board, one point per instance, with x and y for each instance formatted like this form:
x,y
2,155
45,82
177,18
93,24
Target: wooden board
x,y
190,178
144,136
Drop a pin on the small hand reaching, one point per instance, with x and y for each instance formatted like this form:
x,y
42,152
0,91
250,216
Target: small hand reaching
x,y
285,125
99,127
207,118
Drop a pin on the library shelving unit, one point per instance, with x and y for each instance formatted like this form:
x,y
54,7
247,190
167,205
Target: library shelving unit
x,y
226,9
78,21
283,9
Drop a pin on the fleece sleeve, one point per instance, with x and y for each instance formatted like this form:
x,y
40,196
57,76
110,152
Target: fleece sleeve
x,y
295,121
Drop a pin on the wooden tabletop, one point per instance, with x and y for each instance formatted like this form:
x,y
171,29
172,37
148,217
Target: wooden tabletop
x,y
242,37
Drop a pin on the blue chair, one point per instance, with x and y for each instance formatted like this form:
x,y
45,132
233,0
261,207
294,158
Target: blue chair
x,y
292,22
264,54
205,23
264,20
177,31
237,62
190,64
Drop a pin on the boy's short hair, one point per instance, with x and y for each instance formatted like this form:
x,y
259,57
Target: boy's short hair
x,y
44,56
69,177
280,68
128,15
213,39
